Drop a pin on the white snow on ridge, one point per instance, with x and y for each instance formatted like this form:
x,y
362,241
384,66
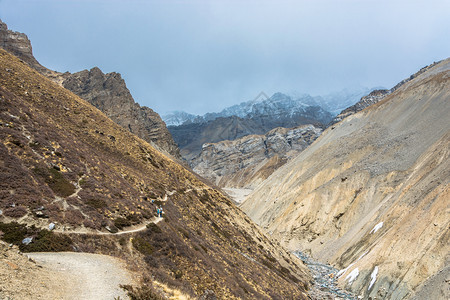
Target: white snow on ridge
x,y
352,276
377,227
373,276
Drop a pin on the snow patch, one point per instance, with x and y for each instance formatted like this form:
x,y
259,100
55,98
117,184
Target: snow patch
x,y
342,272
352,276
373,276
377,227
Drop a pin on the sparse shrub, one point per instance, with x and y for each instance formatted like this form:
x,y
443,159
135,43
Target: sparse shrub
x,y
96,203
122,241
144,292
74,217
56,181
13,232
120,222
153,228
89,224
47,241
142,245
15,212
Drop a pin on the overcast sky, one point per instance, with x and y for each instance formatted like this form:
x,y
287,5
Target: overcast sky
x,y
201,56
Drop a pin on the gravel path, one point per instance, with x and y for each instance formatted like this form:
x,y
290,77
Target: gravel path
x,y
90,276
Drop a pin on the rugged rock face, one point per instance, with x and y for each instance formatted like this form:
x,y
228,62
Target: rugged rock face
x,y
371,194
247,161
19,45
109,93
64,162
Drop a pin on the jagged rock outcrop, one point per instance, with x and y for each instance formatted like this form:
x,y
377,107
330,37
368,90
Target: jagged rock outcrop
x,y
19,45
370,195
109,93
247,161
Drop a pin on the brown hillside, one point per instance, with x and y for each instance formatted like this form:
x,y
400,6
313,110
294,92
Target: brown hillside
x,y
372,193
63,161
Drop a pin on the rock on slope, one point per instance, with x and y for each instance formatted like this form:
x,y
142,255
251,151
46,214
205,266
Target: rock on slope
x,y
63,161
107,92
371,194
247,161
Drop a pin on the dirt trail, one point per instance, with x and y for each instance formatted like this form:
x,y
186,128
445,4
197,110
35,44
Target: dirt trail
x,y
89,276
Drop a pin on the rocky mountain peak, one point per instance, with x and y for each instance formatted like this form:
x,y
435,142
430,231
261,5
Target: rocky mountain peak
x,y
18,44
109,93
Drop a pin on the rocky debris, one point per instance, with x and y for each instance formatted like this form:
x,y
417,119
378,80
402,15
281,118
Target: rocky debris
x,y
248,160
325,284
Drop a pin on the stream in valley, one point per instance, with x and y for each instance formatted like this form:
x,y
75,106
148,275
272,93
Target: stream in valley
x,y
324,280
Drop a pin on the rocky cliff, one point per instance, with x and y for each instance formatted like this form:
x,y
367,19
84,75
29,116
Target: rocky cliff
x,y
247,161
370,195
70,179
108,92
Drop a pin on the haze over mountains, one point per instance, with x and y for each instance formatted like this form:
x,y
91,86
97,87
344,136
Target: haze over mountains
x,y
84,168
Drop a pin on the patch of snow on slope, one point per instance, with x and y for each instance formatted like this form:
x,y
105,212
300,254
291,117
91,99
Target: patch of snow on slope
x,y
373,276
377,227
342,272
352,276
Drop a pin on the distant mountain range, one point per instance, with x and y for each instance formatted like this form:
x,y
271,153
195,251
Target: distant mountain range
x,y
279,105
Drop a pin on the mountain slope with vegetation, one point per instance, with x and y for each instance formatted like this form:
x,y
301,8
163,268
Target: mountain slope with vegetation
x,y
63,162
370,195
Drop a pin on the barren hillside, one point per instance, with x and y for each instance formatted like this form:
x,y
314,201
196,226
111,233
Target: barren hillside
x,y
63,163
371,195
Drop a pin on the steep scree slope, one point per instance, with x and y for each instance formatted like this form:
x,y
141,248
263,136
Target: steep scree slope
x,y
63,161
371,194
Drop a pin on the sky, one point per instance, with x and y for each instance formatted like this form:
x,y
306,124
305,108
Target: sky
x,y
203,56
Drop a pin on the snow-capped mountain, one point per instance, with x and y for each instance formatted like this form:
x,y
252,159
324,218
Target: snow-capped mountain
x,y
278,106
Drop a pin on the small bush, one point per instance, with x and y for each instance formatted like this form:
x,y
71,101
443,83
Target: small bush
x,y
120,222
96,203
47,241
145,292
13,232
142,246
15,212
56,181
